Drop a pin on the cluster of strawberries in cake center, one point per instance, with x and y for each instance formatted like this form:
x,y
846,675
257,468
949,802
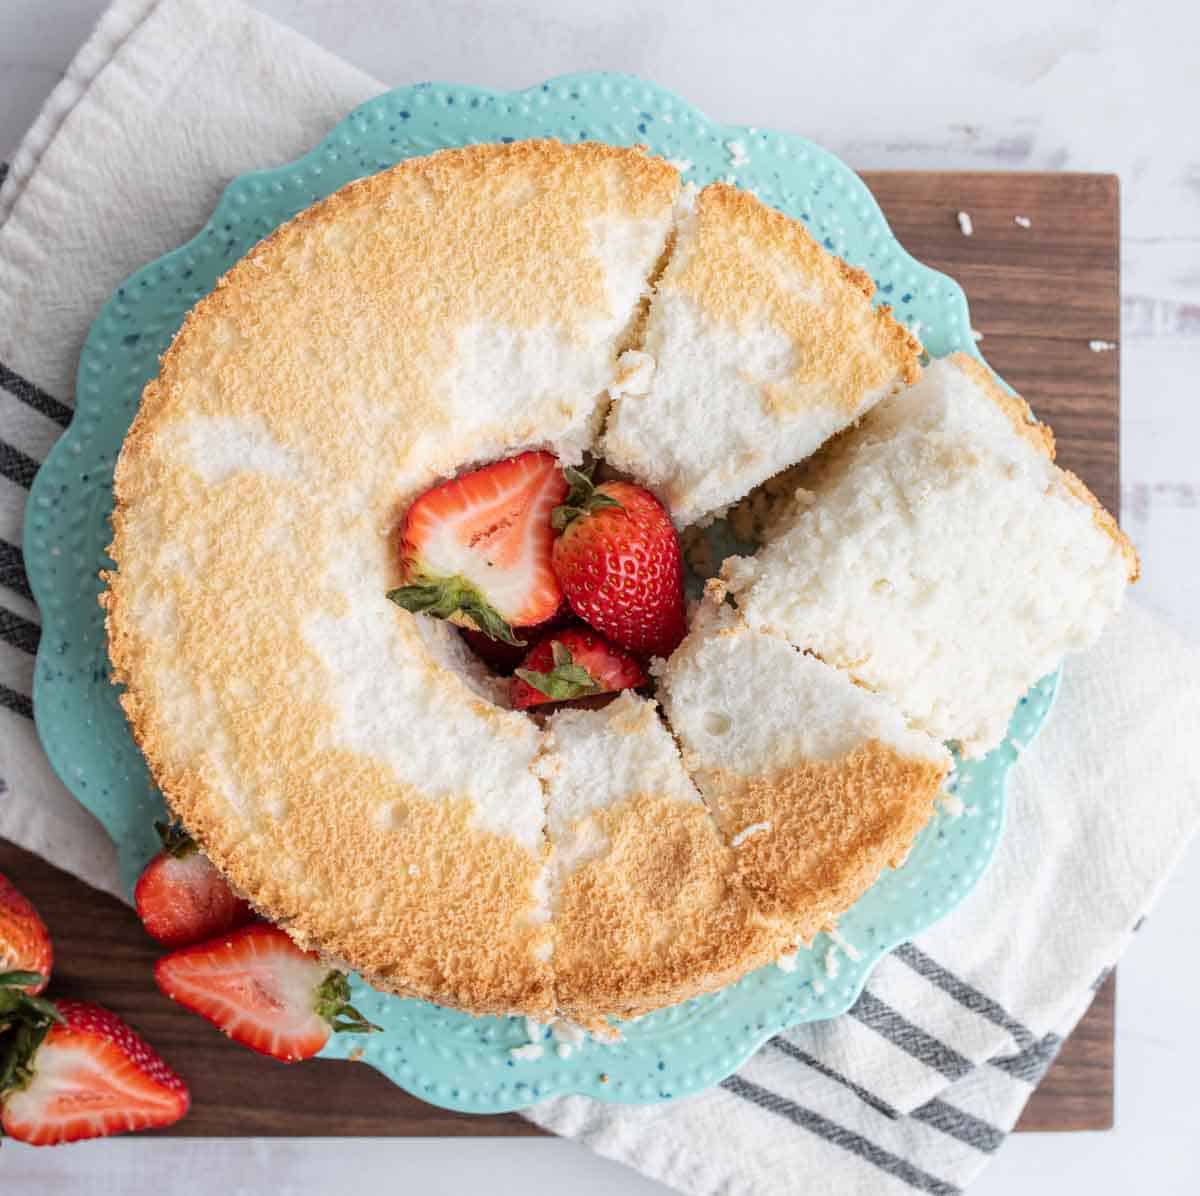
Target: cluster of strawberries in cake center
x,y
570,585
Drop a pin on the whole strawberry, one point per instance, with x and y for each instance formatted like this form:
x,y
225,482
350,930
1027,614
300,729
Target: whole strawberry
x,y
181,898
573,662
619,564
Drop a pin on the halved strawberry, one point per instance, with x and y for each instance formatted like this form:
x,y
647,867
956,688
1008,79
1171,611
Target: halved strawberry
x,y
72,1070
619,563
476,550
24,939
181,898
575,662
263,991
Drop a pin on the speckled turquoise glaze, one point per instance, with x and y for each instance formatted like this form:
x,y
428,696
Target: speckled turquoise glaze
x,y
449,1058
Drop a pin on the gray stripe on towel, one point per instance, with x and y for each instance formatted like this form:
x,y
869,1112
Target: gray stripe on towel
x,y
974,1131
12,570
16,466
965,994
877,1015
17,703
938,1114
18,632
838,1135
1031,1063
34,396
802,1056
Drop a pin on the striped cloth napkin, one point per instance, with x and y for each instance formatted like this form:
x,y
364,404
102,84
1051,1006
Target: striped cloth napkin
x,y
918,1085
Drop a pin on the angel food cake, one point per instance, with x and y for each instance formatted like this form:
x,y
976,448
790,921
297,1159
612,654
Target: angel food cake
x,y
421,681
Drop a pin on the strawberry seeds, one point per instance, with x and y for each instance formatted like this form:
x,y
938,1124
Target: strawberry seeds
x,y
500,551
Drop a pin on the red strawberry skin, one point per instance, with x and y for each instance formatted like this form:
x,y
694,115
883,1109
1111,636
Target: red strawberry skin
x,y
610,669
257,986
182,899
622,570
92,1077
477,549
24,939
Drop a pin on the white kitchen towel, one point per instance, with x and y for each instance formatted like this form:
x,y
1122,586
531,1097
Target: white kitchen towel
x,y
918,1085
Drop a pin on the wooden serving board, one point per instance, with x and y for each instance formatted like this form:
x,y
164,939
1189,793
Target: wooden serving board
x,y
1038,295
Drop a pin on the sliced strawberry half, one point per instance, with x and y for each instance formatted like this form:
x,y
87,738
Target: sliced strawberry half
x,y
181,898
575,662
71,1070
24,939
263,991
476,550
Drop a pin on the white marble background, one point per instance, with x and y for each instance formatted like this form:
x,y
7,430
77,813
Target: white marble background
x,y
1099,85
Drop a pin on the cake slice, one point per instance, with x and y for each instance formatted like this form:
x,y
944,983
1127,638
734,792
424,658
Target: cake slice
x,y
763,346
940,556
646,909
817,785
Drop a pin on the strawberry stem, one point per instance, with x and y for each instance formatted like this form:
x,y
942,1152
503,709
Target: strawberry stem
x,y
176,842
565,681
333,1004
445,597
583,498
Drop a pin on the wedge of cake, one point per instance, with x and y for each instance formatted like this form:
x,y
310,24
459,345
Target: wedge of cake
x,y
939,556
646,908
763,346
816,784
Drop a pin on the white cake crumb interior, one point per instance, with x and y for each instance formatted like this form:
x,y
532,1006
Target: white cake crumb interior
x,y
595,759
749,703
378,662
735,397
943,562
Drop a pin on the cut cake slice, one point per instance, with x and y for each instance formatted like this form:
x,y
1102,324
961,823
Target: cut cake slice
x,y
763,346
816,784
938,554
646,908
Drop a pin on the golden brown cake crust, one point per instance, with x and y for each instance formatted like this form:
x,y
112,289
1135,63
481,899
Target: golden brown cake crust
x,y
829,828
657,917
721,278
348,858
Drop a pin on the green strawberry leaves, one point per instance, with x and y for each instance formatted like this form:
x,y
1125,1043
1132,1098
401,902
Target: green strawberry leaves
x,y
583,498
565,680
24,1021
177,843
333,1004
443,598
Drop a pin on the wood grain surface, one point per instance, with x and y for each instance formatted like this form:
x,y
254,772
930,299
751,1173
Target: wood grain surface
x,y
1039,295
